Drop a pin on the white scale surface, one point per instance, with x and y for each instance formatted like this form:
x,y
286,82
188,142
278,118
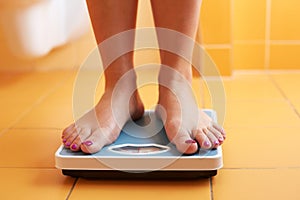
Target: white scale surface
x,y
141,147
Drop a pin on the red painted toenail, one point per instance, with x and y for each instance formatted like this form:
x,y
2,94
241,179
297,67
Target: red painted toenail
x,y
88,143
74,146
216,142
207,144
68,144
221,139
190,141
64,140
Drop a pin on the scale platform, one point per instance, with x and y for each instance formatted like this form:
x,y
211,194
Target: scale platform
x,y
142,151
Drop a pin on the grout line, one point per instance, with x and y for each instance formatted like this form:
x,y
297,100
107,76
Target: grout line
x,y
16,167
217,46
245,42
265,72
261,127
231,23
72,188
282,71
217,78
293,108
271,42
267,34
257,168
285,96
36,128
211,189
250,72
226,168
285,42
24,113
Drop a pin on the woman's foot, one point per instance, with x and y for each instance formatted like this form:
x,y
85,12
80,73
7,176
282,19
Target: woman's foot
x,y
185,124
102,125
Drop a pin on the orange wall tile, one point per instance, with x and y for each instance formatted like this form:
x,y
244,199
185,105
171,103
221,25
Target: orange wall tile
x,y
222,60
246,24
248,56
215,21
215,33
284,57
285,20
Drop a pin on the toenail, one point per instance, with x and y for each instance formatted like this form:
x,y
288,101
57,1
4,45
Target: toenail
x,y
74,146
221,139
216,142
64,140
68,144
88,143
207,144
190,141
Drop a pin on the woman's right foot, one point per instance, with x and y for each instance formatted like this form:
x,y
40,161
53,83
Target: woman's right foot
x,y
102,125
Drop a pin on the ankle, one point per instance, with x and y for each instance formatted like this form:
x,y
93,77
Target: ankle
x,y
125,79
175,74
175,67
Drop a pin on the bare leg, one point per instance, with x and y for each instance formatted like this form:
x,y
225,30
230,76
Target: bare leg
x,y
88,134
184,122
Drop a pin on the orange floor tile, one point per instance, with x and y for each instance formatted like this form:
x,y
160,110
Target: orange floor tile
x,y
261,154
265,113
35,184
249,184
136,190
288,84
29,147
261,147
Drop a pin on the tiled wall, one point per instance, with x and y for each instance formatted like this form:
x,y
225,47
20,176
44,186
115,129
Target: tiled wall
x,y
267,38
256,34
237,34
284,35
215,33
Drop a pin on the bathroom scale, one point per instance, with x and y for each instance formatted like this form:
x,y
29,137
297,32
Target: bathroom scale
x,y
142,151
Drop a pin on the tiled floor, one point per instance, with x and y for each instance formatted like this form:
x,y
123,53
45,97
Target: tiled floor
x,y
261,154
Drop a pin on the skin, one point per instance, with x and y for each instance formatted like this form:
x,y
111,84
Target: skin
x,y
185,124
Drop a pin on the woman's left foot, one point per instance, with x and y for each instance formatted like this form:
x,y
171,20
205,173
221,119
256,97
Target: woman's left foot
x,y
185,124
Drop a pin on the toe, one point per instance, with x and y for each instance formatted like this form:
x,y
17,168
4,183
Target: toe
x,y
68,131
180,138
219,129
81,137
213,139
217,134
96,141
202,139
91,145
69,140
185,144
